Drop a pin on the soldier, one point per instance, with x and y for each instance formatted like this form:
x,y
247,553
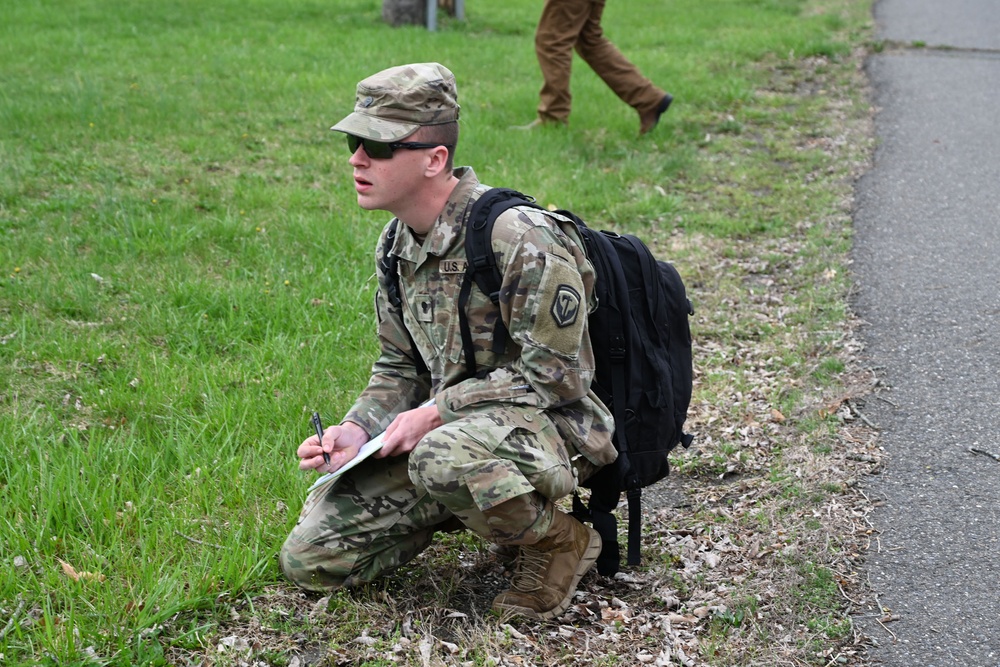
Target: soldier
x,y
491,452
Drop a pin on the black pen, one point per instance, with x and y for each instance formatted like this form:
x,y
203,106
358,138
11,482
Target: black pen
x,y
319,432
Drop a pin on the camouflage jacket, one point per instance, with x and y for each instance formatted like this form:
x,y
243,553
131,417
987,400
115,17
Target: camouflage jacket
x,y
547,292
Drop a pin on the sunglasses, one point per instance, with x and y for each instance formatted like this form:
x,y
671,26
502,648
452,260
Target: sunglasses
x,y
380,150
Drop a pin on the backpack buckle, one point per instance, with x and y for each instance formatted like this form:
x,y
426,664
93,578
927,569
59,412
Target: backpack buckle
x,y
617,349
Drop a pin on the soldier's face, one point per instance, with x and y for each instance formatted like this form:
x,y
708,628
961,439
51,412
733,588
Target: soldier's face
x,y
388,184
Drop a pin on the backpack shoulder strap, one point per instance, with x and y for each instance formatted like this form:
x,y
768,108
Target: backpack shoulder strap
x,y
389,264
482,264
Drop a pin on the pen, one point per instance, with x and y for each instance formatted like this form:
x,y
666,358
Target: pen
x,y
319,432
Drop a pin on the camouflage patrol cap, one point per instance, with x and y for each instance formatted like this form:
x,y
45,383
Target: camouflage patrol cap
x,y
394,103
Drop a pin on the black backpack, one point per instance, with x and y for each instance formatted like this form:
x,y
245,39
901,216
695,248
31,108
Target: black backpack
x,y
642,344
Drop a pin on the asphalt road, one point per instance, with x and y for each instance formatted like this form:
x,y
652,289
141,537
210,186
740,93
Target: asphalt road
x,y
927,263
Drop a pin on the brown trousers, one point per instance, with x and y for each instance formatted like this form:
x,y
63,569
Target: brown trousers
x,y
569,24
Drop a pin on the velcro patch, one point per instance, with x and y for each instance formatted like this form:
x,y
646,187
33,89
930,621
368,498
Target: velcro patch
x,y
449,266
425,308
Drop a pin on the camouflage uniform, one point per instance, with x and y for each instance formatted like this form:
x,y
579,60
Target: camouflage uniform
x,y
513,438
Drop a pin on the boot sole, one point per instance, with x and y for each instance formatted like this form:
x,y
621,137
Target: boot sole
x,y
587,561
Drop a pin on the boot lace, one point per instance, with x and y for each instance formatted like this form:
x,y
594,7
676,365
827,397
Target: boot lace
x,y
532,564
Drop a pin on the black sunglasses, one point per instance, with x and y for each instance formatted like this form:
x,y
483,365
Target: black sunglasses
x,y
380,150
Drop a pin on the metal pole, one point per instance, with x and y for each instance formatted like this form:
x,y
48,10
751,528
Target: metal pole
x,y
432,11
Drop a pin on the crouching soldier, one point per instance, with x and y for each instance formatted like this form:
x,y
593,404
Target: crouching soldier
x,y
489,451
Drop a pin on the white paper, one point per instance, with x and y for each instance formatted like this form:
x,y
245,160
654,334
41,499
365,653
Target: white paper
x,y
366,450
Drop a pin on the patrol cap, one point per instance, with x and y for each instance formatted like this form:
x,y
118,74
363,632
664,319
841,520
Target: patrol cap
x,y
395,102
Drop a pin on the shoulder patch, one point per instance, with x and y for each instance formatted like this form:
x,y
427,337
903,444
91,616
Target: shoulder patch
x,y
565,306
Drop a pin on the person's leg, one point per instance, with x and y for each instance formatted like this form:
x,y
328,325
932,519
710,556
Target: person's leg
x,y
499,473
623,77
511,457
370,522
555,37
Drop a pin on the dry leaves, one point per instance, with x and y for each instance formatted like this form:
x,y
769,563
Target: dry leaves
x,y
71,572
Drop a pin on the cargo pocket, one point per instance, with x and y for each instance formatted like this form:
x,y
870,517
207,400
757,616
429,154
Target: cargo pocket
x,y
529,456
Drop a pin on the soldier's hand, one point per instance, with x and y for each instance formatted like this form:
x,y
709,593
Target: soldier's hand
x,y
407,429
342,442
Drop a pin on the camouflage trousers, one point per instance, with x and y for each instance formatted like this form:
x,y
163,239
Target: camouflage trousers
x,y
495,473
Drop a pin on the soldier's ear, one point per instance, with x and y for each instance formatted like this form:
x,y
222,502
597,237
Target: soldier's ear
x,y
437,161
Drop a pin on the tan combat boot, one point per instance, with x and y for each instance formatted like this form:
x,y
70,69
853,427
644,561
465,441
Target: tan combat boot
x,y
548,571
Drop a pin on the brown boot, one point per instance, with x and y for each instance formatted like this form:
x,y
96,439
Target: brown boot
x,y
505,553
548,571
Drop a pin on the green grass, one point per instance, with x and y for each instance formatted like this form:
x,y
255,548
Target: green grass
x,y
185,275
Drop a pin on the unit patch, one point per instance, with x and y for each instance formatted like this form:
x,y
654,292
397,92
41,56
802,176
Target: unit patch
x,y
565,306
